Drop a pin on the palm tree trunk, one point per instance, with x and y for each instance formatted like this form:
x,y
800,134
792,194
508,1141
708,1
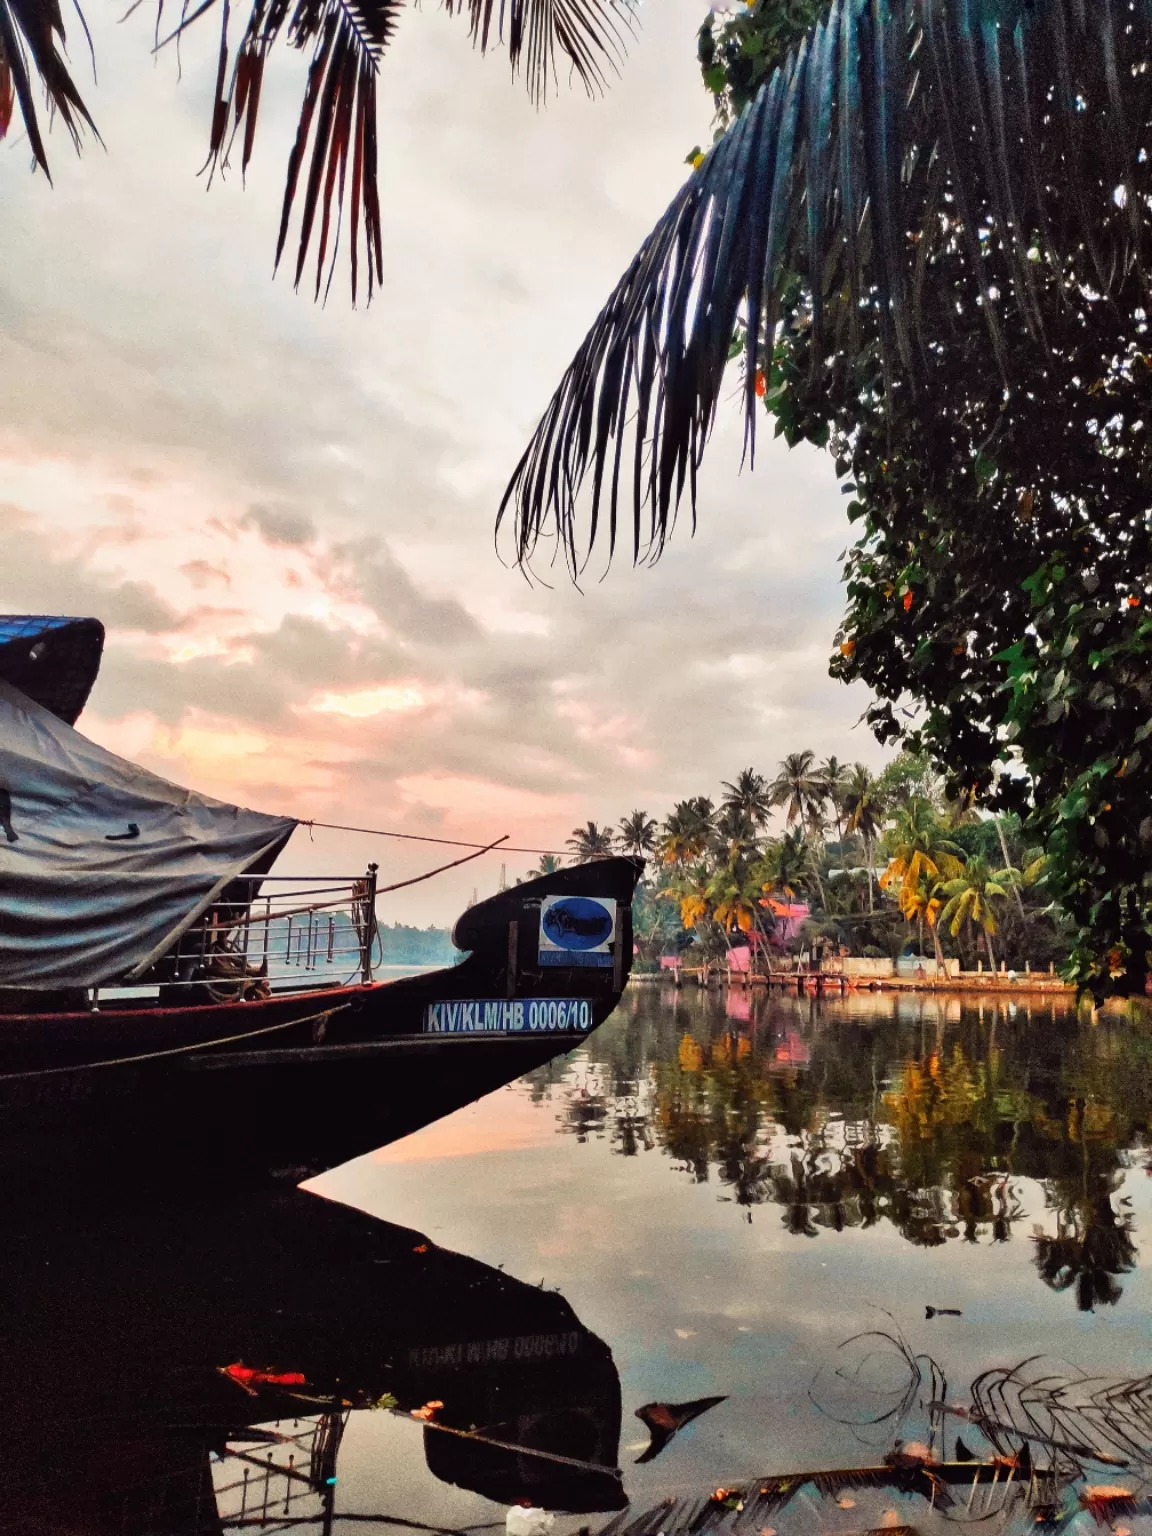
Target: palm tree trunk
x,y
868,854
991,951
936,946
1008,865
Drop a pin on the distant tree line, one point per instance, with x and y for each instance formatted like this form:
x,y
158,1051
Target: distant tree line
x,y
885,863
404,945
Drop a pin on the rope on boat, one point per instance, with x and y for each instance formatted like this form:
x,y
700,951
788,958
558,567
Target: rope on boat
x,y
416,879
419,837
176,1050
465,1434
520,1450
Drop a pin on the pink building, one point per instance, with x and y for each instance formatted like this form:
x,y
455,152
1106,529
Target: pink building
x,y
789,915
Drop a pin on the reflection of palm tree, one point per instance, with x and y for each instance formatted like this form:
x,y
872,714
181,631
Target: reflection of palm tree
x,y
936,1137
1091,1245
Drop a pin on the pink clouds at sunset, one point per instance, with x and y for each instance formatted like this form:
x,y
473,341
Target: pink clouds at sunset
x,y
284,512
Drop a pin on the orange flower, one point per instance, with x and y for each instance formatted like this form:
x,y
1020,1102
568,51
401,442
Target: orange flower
x,y
421,1248
907,600
847,647
761,383
1133,601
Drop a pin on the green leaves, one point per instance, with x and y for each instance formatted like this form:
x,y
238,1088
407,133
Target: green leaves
x,y
862,212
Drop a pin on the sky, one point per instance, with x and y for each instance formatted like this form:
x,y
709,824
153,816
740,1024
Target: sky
x,y
284,512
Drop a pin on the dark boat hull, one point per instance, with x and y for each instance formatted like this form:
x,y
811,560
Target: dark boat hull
x,y
307,1080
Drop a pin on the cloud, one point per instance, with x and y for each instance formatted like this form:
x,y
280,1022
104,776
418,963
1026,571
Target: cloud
x,y
284,512
202,573
280,525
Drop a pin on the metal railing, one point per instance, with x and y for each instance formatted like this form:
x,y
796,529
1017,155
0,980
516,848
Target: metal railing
x,y
284,1482
274,933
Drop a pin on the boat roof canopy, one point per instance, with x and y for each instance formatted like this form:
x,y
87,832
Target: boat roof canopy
x,y
103,865
53,661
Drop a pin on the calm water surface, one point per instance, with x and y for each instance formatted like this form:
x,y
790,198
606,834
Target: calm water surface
x,y
725,1191
707,1199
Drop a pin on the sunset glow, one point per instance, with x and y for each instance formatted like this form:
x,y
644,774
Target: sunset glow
x,y
388,699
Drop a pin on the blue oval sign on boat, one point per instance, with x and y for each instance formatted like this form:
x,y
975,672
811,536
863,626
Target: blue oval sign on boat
x,y
576,930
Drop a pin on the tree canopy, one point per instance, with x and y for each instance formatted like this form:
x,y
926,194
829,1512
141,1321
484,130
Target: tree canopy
x,y
925,238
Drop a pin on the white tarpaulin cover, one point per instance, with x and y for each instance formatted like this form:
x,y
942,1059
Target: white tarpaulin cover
x,y
77,908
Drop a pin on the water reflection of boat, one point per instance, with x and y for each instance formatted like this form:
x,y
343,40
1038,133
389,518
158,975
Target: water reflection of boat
x,y
173,1368
159,981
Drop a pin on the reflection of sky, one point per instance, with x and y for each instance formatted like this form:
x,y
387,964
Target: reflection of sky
x,y
697,1295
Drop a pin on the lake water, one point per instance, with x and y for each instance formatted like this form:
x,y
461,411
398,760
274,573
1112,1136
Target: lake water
x,y
707,1199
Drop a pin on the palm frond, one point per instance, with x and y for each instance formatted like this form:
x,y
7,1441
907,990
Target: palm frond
x,y
899,134
332,169
335,151
589,34
32,47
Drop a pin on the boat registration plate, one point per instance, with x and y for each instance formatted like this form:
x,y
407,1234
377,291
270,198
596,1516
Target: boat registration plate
x,y
526,1015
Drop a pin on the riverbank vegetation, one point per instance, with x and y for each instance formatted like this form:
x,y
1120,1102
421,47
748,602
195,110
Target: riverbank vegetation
x,y
828,856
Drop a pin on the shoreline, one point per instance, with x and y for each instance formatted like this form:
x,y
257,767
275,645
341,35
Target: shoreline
x,y
832,982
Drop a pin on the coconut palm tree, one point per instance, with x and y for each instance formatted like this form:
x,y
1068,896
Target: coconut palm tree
x,y
689,888
637,834
687,831
835,775
787,866
590,842
864,808
734,833
548,865
734,898
923,903
749,795
333,162
920,854
799,786
972,897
